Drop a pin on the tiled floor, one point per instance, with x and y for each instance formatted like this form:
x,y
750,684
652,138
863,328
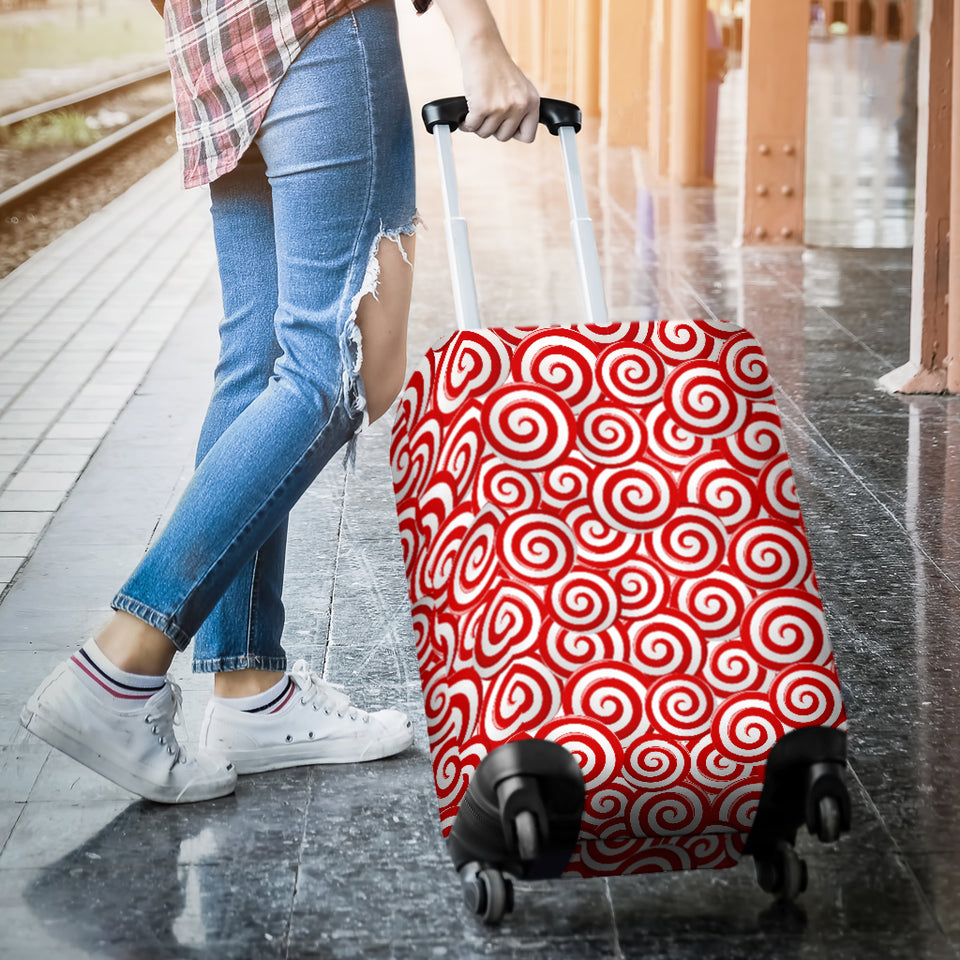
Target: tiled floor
x,y
118,319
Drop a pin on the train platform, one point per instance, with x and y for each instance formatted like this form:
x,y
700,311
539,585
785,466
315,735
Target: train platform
x,y
107,343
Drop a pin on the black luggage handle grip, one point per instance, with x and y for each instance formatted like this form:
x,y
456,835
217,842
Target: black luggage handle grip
x,y
452,111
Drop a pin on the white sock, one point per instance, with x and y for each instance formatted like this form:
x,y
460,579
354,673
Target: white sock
x,y
111,683
270,701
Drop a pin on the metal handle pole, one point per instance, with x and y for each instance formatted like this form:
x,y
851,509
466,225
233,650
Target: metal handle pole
x,y
458,242
581,230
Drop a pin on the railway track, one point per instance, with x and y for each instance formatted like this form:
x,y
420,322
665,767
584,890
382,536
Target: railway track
x,y
35,184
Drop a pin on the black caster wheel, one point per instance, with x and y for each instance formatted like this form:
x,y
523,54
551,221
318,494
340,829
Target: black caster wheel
x,y
528,836
829,818
783,873
488,895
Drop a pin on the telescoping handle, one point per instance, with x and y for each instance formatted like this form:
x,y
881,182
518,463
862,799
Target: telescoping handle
x,y
562,119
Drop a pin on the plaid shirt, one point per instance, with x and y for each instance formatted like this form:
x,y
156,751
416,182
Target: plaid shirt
x,y
227,58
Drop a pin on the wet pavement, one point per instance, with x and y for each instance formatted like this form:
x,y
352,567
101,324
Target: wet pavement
x,y
348,862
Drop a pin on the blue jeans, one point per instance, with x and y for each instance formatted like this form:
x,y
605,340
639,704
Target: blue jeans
x,y
296,224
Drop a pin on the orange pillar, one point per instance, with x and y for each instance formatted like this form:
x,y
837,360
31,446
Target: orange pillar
x,y
775,61
926,371
622,72
528,19
880,18
586,57
688,92
555,48
908,20
662,93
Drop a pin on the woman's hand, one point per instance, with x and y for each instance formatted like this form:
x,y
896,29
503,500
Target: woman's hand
x,y
502,101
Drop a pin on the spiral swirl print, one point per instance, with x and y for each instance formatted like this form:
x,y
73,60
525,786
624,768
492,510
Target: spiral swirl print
x,y
604,546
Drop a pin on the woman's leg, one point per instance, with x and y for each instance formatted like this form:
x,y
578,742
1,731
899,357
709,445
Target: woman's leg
x,y
338,148
243,632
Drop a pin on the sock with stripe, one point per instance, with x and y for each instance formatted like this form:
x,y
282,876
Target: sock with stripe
x,y
125,690
270,701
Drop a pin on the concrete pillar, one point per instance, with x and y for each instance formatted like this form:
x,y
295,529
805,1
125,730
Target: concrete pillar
x,y
775,61
688,92
930,340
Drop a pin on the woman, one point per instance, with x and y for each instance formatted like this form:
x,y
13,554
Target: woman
x,y
295,112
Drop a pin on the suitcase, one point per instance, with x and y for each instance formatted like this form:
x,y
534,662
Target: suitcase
x,y
621,643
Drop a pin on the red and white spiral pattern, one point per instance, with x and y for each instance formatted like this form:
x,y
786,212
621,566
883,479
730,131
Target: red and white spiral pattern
x,y
631,373
808,696
528,426
522,697
421,458
669,442
676,811
698,397
786,627
779,491
597,750
473,365
715,602
568,481
737,806
510,626
452,704
731,667
712,769
667,644
460,455
643,589
536,547
609,435
610,692
718,487
634,499
436,567
598,544
745,727
604,546
605,813
655,763
583,600
758,442
770,555
510,489
680,706
680,341
692,542
475,569
743,362
562,360
566,651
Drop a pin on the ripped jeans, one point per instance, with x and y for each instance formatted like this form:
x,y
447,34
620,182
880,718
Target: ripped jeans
x,y
297,226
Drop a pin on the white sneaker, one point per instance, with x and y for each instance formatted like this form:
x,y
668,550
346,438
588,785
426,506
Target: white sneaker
x,y
315,723
136,750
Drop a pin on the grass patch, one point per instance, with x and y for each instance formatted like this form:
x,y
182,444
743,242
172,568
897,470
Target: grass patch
x,y
68,35
66,128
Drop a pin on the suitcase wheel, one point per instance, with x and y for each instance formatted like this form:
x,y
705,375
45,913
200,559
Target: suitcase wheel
x,y
487,893
829,820
782,872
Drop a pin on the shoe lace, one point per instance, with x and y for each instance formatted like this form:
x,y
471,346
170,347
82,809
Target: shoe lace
x,y
164,716
326,696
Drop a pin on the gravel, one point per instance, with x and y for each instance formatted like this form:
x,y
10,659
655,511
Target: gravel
x,y
72,199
